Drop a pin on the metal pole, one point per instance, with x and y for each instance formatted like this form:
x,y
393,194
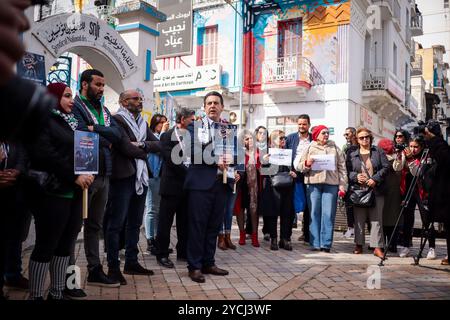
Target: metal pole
x,y
241,87
241,91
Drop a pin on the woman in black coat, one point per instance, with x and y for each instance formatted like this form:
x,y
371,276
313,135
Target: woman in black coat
x,y
56,205
276,202
368,166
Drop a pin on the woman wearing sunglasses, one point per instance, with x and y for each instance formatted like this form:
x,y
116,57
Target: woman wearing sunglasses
x,y
322,186
368,166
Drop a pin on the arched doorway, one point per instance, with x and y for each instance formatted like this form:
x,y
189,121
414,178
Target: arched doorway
x,y
95,42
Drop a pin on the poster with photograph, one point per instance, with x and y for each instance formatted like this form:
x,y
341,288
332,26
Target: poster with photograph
x,y
86,152
32,67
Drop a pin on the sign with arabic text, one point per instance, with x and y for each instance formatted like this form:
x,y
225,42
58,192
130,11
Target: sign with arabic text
x,y
62,32
175,34
188,78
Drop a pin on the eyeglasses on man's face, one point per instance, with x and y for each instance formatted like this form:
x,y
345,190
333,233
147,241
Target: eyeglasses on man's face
x,y
399,136
134,98
364,138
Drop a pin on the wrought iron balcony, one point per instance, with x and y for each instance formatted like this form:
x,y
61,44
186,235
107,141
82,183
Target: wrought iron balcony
x,y
293,69
417,25
383,79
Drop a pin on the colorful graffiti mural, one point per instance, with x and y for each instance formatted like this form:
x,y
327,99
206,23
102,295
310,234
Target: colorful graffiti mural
x,y
320,21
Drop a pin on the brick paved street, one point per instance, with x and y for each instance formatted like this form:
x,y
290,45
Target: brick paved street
x,y
258,273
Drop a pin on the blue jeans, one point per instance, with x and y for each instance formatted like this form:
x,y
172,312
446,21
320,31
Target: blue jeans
x,y
126,207
152,204
228,218
322,202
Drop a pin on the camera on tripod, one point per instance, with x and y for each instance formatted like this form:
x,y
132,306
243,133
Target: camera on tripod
x,y
433,126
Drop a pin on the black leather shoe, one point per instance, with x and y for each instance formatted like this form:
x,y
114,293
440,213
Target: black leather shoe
x,y
327,250
215,271
273,244
137,269
165,262
197,276
287,245
96,277
117,276
74,294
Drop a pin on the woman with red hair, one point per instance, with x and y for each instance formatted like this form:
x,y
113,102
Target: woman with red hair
x,y
392,198
56,206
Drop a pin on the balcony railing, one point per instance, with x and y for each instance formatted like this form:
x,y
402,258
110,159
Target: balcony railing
x,y
417,65
295,68
383,79
199,4
417,25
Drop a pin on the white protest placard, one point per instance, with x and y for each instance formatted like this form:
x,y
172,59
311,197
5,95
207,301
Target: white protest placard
x,y
324,162
280,157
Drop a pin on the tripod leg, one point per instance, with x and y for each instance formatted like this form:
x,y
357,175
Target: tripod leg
x,y
423,242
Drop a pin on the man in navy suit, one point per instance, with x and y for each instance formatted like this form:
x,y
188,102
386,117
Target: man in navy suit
x,y
207,193
302,138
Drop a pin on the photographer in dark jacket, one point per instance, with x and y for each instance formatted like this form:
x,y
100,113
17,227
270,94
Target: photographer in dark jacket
x,y
440,192
56,202
93,116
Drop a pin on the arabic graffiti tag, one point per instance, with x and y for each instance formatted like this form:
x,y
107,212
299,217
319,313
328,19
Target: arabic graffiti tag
x,y
63,32
176,32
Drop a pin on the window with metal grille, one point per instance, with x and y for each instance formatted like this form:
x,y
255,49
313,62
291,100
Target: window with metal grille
x,y
207,51
446,4
290,38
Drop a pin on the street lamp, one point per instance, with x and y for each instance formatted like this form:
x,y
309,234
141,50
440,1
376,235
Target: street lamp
x,y
241,89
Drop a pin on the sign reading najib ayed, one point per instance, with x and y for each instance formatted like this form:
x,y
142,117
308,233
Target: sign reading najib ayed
x,y
175,34
60,33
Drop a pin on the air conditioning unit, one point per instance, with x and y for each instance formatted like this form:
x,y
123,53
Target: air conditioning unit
x,y
235,117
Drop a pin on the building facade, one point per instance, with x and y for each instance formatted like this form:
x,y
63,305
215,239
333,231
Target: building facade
x,y
345,63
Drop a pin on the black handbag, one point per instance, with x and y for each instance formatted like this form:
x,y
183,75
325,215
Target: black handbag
x,y
362,196
282,180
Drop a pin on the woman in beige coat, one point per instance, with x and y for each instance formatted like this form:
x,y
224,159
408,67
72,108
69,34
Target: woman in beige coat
x,y
322,186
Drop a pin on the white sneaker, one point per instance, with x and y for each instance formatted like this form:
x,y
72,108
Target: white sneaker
x,y
431,254
404,252
350,233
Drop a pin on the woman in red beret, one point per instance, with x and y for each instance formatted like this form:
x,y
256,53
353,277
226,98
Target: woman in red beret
x,y
322,186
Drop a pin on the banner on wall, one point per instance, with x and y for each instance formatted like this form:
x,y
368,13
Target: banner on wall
x,y
175,34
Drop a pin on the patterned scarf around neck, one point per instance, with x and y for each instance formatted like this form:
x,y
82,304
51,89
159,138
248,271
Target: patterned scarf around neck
x,y
67,117
139,128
